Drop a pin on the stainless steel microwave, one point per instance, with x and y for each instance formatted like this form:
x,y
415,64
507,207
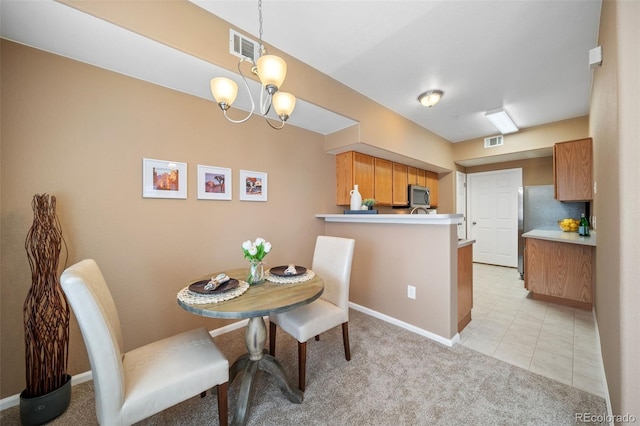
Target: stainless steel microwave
x,y
419,196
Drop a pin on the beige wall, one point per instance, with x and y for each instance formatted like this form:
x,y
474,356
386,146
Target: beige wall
x,y
535,171
616,135
80,133
531,139
389,257
187,27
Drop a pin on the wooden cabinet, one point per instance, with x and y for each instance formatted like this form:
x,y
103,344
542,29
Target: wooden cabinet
x,y
400,193
465,285
412,176
431,182
572,170
559,272
383,181
354,168
422,177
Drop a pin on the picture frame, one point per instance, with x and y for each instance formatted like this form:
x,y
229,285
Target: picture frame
x,y
214,183
253,186
164,179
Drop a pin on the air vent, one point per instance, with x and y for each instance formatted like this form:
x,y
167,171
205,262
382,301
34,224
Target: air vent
x,y
242,46
493,141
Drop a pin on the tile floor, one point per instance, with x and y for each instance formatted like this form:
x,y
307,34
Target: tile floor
x,y
552,340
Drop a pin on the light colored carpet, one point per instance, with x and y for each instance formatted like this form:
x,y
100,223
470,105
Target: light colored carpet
x,y
395,377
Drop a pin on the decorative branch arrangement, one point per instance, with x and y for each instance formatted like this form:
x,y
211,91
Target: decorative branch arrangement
x,y
45,312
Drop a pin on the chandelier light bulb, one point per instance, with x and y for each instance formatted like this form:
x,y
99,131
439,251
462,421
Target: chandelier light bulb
x,y
284,103
224,91
271,70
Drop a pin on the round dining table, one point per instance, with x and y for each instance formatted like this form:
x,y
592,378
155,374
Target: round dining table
x,y
258,301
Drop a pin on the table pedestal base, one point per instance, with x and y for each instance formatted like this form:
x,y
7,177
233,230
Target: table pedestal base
x,y
249,363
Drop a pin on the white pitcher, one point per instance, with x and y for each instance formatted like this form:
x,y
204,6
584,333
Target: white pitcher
x,y
356,198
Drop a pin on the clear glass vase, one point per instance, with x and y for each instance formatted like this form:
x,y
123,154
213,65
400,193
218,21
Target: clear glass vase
x,y
256,272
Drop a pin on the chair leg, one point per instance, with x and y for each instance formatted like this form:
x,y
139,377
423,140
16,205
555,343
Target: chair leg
x,y
203,394
345,340
272,338
223,413
317,337
302,364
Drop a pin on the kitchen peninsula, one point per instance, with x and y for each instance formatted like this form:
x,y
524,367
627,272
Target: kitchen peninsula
x,y
396,252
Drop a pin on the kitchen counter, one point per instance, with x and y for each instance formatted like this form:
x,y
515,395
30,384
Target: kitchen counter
x,y
562,237
464,243
405,219
400,254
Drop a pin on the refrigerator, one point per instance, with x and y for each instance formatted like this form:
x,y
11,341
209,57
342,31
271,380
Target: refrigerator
x,y
538,209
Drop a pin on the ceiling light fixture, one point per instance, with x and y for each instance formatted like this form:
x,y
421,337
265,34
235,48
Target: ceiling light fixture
x,y
271,70
430,98
499,118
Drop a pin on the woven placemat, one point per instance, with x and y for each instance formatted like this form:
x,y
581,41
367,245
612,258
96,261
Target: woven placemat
x,y
187,296
290,280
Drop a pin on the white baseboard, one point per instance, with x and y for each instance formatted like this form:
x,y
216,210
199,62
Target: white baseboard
x,y
605,388
429,335
13,400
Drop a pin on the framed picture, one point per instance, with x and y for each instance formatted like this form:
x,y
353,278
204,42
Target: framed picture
x,y
214,183
253,186
164,179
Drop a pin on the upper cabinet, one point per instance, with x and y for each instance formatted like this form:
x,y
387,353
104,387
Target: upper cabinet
x,y
412,176
384,180
431,182
400,185
354,168
572,170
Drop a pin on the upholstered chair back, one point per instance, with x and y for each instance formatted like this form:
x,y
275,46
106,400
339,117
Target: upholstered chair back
x,y
332,261
93,306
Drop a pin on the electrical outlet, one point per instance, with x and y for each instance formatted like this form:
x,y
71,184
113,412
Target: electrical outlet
x,y
411,292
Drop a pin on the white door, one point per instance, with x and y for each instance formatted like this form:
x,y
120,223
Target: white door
x,y
493,216
461,203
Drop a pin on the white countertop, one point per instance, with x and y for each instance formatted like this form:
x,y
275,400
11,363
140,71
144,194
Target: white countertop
x,y
562,237
462,243
404,219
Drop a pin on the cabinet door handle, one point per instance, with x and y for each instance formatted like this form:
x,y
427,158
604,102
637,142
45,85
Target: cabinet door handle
x,y
473,223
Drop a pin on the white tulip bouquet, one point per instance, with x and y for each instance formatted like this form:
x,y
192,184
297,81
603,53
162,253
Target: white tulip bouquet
x,y
257,250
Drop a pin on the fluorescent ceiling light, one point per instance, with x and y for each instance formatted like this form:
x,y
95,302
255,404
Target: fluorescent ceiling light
x,y
501,120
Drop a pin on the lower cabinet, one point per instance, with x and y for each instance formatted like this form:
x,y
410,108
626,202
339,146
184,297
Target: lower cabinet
x,y
559,272
465,285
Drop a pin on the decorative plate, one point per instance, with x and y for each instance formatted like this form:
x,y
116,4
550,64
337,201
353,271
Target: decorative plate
x,y
199,286
278,271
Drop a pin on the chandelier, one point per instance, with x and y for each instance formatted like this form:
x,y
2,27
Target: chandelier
x,y
271,70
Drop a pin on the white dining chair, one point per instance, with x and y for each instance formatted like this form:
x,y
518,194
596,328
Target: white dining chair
x,y
137,384
332,260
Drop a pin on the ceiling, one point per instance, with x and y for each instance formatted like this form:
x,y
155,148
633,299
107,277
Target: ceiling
x,y
529,56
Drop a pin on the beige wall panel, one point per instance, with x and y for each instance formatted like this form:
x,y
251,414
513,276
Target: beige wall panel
x,y
535,171
389,257
533,138
614,127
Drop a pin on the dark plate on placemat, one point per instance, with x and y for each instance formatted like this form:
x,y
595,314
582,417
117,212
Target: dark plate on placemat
x,y
278,271
199,286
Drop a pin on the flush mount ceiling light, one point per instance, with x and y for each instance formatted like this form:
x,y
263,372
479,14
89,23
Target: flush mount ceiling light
x,y
271,70
499,118
430,98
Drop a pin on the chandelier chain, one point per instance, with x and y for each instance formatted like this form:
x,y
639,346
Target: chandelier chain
x,y
260,21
